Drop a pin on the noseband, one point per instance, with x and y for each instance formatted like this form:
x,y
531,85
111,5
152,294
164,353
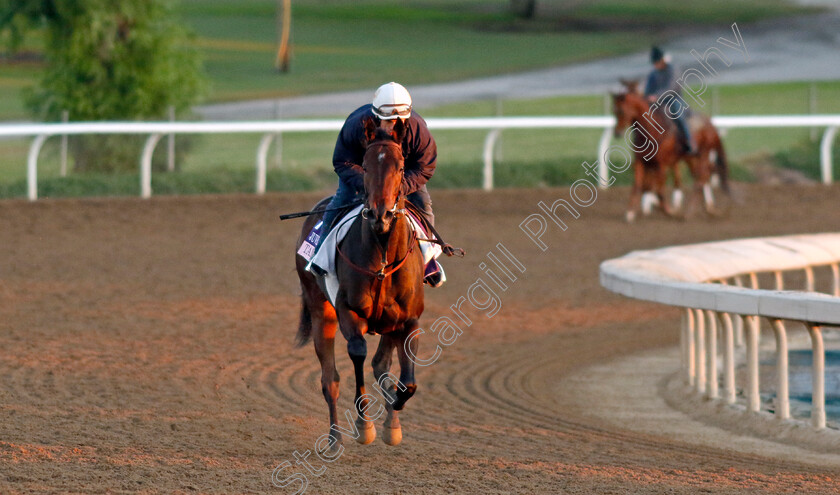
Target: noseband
x,y
395,210
366,213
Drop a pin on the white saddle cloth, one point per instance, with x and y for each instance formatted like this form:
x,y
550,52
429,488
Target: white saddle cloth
x,y
325,257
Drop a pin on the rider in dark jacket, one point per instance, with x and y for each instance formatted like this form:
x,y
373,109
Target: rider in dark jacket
x,y
419,151
660,80
391,101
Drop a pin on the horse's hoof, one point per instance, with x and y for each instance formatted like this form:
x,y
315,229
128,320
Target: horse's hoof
x,y
367,432
392,436
630,216
336,443
677,199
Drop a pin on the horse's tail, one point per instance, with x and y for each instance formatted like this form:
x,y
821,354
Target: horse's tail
x,y
304,332
722,166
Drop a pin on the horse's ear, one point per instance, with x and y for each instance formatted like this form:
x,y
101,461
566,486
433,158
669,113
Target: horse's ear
x,y
370,128
633,86
399,130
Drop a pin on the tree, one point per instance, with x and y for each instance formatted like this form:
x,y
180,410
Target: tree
x,y
284,26
524,8
106,60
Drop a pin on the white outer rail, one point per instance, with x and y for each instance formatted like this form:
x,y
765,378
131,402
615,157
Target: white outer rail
x,y
273,128
681,276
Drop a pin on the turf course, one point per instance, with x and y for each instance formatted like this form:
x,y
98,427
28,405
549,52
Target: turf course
x,y
339,46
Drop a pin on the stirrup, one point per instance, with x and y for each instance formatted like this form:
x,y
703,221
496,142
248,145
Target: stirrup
x,y
315,269
434,276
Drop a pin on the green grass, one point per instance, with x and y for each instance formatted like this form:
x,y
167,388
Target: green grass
x,y
524,157
655,13
340,45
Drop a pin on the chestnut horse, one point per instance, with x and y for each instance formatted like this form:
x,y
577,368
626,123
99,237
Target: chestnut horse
x,y
658,148
380,277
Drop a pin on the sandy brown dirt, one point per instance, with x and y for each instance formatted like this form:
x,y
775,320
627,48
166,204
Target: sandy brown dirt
x,y
146,346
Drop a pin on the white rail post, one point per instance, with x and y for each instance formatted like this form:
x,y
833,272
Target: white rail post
x,y
809,279
262,161
683,345
489,144
699,352
835,279
780,280
753,329
728,359
825,155
817,376
753,280
170,144
603,168
782,394
711,351
146,166
65,117
739,322
688,331
32,166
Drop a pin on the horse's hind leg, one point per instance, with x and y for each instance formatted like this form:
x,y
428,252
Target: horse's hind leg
x,y
661,180
409,383
325,326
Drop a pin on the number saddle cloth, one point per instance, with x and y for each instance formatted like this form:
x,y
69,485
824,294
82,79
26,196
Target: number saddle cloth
x,y
324,258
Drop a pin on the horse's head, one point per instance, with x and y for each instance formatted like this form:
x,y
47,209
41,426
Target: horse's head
x,y
628,106
384,167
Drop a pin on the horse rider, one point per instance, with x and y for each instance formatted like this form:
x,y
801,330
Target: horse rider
x,y
660,80
391,101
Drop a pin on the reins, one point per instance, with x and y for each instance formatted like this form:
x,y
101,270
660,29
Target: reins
x,y
382,273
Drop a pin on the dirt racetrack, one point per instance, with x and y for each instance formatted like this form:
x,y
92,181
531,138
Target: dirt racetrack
x,y
146,346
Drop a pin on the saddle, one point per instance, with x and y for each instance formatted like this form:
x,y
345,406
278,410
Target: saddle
x,y
325,257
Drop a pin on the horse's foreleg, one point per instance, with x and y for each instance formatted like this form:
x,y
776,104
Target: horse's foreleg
x,y
354,328
357,348
635,192
325,326
709,199
387,386
677,194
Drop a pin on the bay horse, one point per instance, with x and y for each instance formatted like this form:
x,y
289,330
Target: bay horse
x,y
658,148
380,280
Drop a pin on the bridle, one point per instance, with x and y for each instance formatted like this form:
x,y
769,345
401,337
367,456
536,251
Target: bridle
x,y
386,269
383,271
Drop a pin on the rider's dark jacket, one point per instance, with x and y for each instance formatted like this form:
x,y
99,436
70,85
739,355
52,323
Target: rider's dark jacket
x,y
418,147
660,81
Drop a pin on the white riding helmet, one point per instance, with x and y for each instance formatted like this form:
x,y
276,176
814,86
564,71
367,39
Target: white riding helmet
x,y
391,101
